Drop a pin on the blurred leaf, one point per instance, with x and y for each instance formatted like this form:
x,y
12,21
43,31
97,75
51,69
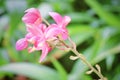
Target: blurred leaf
x,y
14,56
4,57
81,17
15,10
15,6
80,33
107,16
101,38
77,71
112,8
37,72
116,73
111,44
44,9
103,55
109,61
15,18
60,69
63,6
3,25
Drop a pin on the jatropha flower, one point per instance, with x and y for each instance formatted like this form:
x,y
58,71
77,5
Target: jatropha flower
x,y
39,35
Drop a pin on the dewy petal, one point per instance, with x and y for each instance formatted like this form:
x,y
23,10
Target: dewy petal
x,y
45,51
32,16
21,44
57,17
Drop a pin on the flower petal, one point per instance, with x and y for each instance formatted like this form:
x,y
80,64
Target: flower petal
x,y
39,44
65,21
57,17
54,31
33,10
32,16
45,51
36,30
29,35
62,22
21,44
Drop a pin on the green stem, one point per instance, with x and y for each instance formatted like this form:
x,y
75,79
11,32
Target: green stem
x,y
87,63
73,49
44,20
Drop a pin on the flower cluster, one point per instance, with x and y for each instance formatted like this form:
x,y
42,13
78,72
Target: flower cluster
x,y
42,37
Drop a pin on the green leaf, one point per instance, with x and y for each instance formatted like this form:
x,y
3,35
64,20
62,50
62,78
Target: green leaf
x,y
77,71
103,55
81,17
80,33
4,58
15,11
3,23
37,72
60,69
107,16
116,73
109,61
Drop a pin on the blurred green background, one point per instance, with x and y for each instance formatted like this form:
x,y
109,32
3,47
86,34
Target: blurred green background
x,y
95,28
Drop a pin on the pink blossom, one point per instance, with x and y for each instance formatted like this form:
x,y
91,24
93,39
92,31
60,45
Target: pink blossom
x,y
21,44
45,50
32,16
55,31
62,22
40,36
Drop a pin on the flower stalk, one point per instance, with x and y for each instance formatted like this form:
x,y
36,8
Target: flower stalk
x,y
82,57
87,63
44,20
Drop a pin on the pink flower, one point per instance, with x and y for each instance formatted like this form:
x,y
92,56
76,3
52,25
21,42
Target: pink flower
x,y
62,22
55,31
42,37
36,36
41,40
32,16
